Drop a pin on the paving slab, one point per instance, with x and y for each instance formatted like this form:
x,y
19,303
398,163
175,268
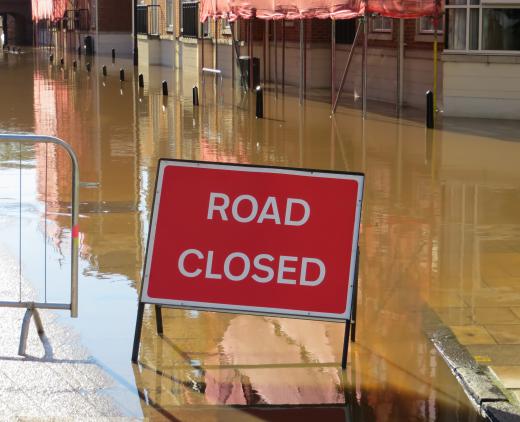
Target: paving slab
x,y
54,379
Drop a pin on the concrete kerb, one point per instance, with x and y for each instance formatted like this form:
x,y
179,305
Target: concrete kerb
x,y
480,386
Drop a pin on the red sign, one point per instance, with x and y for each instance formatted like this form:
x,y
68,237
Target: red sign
x,y
253,239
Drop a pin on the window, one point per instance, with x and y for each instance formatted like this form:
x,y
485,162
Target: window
x,y
426,25
381,24
472,26
190,21
169,15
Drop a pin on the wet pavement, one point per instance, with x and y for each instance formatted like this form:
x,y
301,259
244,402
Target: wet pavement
x,y
440,230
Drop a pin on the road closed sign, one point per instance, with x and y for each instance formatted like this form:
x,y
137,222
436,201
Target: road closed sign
x,y
249,239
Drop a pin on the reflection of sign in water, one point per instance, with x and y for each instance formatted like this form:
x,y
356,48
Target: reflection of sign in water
x,y
258,240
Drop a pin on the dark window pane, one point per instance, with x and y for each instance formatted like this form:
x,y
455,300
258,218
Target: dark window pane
x,y
501,29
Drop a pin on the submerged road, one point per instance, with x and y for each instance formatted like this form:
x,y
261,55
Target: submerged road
x,y
210,366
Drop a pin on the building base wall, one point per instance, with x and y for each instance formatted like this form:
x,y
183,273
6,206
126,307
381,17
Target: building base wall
x,y
482,86
122,42
382,66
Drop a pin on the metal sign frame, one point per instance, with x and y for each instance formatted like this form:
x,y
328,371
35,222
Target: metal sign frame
x,y
348,316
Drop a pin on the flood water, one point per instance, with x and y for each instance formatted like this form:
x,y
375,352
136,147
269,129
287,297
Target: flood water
x,y
212,366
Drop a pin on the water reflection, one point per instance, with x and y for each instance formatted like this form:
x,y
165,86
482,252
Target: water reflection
x,y
427,216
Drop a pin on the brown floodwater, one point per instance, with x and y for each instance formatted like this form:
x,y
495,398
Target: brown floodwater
x,y
211,366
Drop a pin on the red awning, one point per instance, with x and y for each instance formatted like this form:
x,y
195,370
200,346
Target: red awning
x,y
323,9
48,9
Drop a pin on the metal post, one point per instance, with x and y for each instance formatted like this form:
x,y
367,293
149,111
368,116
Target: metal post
x,y
202,47
346,339
435,61
275,36
283,56
332,61
400,66
237,55
365,64
251,80
136,54
137,334
354,299
264,54
302,63
429,110
215,50
159,320
347,66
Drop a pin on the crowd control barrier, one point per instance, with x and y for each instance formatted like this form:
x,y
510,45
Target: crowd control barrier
x,y
33,307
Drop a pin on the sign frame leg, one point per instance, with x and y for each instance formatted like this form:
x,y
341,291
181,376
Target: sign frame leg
x,y
346,340
350,335
138,329
159,320
354,300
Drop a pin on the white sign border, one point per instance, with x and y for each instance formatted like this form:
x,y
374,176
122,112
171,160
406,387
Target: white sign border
x,y
208,306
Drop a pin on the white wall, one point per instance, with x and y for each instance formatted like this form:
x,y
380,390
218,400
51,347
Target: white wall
x,y
489,89
121,41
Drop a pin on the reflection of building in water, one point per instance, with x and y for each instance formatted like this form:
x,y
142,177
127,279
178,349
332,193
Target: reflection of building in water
x,y
97,123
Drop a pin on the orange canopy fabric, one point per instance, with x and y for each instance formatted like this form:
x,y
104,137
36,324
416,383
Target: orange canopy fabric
x,y
323,9
48,9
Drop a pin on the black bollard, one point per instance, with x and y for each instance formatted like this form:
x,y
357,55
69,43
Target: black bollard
x,y
51,58
141,80
165,88
104,70
113,54
74,64
429,110
122,75
79,51
259,102
195,96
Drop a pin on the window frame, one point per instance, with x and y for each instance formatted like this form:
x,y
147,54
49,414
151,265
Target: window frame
x,y
440,29
170,25
382,30
480,7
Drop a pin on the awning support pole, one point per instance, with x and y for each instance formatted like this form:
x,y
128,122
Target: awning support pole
x,y
302,29
264,56
435,62
400,67
283,56
237,55
347,66
365,64
251,80
275,59
332,61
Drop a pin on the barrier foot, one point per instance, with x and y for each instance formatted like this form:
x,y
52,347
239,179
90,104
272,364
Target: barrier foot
x,y
29,313
158,320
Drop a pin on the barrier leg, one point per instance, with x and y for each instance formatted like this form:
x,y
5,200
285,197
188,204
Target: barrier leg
x,y
38,322
25,331
137,335
158,320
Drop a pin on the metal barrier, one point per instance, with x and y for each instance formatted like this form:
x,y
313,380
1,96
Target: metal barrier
x,y
32,307
218,75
